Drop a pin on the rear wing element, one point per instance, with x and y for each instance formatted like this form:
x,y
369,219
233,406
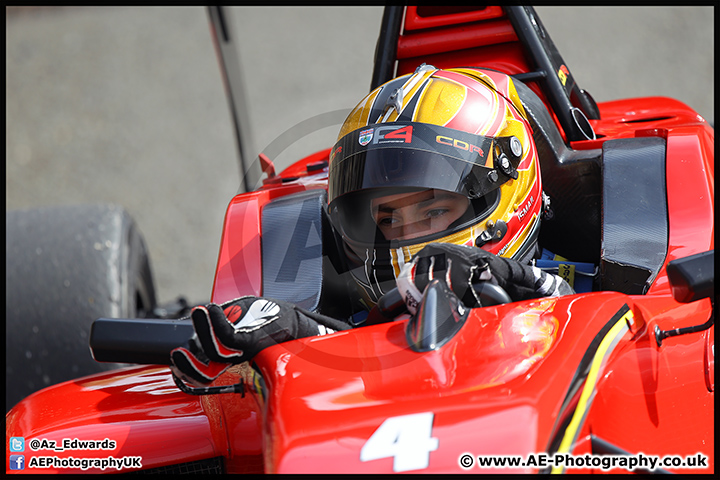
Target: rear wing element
x,y
508,39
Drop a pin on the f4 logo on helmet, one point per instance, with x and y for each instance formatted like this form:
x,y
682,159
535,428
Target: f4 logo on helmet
x,y
393,134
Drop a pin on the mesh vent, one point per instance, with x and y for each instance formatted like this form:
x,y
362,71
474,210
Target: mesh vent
x,y
205,466
292,248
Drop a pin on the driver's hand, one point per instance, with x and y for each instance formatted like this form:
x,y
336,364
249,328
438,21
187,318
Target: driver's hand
x,y
236,331
460,266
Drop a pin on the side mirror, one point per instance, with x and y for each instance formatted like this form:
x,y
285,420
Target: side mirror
x,y
692,278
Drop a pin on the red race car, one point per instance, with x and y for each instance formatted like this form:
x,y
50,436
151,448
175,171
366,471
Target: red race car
x,y
618,377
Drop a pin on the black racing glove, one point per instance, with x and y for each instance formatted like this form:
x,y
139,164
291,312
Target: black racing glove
x,y
236,331
460,266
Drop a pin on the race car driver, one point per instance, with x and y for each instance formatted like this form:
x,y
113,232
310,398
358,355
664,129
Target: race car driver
x,y
434,175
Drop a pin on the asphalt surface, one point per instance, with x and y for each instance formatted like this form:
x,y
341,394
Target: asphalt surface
x,y
126,105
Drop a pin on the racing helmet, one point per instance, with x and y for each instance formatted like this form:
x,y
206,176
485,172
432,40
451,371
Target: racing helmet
x,y
434,156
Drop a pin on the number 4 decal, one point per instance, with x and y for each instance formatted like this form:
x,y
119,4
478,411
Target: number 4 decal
x,y
407,438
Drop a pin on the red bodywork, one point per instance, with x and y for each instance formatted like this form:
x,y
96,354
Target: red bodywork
x,y
502,386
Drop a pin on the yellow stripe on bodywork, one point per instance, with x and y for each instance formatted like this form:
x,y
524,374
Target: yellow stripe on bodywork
x,y
588,393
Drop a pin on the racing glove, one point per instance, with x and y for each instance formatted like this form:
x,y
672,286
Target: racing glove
x,y
460,266
236,331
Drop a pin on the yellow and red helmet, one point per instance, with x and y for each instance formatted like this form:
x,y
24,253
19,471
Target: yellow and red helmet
x,y
459,132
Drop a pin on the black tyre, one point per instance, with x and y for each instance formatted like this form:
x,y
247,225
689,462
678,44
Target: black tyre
x,y
66,267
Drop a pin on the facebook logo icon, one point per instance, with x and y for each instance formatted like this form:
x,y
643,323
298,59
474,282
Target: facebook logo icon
x,y
17,462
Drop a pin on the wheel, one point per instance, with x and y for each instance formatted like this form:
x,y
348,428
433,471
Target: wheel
x,y
65,267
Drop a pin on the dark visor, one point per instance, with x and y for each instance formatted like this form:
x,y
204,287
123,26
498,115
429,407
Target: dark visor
x,y
419,155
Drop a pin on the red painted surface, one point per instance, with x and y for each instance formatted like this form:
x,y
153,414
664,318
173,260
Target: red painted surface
x,y
497,387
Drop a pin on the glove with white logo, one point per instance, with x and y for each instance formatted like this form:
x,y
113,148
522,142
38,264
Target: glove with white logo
x,y
460,266
236,331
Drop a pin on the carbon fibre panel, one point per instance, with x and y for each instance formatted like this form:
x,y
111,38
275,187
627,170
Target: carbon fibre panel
x,y
634,214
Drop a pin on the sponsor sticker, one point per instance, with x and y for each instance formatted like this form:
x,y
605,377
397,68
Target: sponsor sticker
x,y
567,272
563,73
394,134
459,144
365,136
335,152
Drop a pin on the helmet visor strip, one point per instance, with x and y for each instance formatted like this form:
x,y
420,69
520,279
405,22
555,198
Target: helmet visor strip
x,y
408,154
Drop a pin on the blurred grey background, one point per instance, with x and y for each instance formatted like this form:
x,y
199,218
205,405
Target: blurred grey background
x,y
126,104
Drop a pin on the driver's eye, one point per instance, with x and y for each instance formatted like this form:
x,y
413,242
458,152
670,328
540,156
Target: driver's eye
x,y
436,212
387,221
